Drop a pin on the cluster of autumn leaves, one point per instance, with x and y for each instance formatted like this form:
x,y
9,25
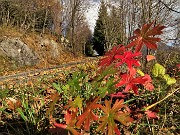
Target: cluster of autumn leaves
x,y
110,110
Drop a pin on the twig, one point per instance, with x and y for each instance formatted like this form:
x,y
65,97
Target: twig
x,y
168,7
149,107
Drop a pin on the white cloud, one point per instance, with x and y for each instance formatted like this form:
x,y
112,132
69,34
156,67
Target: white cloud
x,y
92,14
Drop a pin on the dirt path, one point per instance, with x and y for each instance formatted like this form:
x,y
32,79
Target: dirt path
x,y
40,72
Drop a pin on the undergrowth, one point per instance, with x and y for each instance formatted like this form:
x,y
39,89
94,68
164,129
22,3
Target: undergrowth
x,y
116,96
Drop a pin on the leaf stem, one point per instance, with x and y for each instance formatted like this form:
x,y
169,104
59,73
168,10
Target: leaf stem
x,y
170,94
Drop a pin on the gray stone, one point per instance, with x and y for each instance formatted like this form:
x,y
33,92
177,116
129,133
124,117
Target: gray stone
x,y
54,51
17,50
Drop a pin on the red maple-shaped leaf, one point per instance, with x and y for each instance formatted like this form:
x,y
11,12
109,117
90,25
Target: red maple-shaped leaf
x,y
113,114
88,115
145,35
131,81
129,58
109,56
70,118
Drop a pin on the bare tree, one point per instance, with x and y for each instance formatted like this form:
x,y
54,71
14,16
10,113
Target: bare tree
x,y
31,15
74,19
132,14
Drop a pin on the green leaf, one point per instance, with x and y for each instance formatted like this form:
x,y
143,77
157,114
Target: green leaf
x,y
109,88
169,80
2,109
4,93
75,81
108,71
57,86
25,105
141,73
22,114
65,88
102,91
158,70
76,103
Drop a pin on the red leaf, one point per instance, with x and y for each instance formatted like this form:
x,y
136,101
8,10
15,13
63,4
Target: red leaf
x,y
119,94
151,115
178,66
88,115
116,130
128,58
148,83
130,81
60,125
149,86
150,57
70,118
145,35
112,114
109,56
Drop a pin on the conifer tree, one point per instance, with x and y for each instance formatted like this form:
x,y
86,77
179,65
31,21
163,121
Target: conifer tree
x,y
99,31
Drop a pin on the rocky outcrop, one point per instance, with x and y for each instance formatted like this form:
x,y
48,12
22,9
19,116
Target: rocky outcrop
x,y
53,47
17,50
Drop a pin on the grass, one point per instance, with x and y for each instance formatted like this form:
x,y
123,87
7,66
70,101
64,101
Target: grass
x,y
23,107
6,64
27,117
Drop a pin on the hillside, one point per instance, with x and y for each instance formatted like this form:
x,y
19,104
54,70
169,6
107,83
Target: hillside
x,y
20,51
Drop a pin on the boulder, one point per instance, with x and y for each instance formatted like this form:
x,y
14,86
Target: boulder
x,y
17,50
52,45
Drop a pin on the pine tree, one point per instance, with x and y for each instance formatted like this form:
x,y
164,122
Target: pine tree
x,y
99,35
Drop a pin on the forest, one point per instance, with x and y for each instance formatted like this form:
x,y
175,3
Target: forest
x,y
61,76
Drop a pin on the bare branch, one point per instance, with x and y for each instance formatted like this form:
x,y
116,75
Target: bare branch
x,y
168,7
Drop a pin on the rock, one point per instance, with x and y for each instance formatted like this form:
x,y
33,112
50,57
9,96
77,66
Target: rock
x,y
54,51
17,50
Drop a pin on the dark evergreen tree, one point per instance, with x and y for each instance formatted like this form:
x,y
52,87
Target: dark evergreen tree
x,y
99,35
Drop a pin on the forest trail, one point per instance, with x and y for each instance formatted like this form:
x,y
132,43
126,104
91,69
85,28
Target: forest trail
x,y
38,73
